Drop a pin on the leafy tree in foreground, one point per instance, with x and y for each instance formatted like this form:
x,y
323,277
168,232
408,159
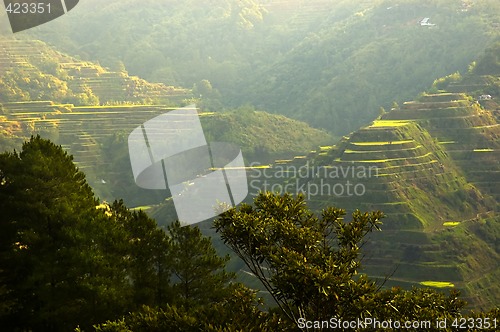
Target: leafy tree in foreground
x,y
310,264
307,263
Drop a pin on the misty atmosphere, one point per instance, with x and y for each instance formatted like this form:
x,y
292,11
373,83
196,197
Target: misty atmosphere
x,y
249,165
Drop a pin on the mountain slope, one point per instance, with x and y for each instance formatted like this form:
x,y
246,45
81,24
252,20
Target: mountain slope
x,y
38,93
432,166
339,75
329,63
32,71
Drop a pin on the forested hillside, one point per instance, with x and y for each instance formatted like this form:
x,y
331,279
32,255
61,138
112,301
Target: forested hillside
x,y
332,64
90,110
340,74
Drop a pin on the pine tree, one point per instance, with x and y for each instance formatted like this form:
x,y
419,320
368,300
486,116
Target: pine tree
x,y
199,277
53,262
146,249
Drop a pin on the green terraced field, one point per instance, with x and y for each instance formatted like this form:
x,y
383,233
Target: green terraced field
x,y
418,185
437,284
382,143
388,123
451,223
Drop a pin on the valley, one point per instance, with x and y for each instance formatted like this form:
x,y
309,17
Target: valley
x,y
357,106
432,167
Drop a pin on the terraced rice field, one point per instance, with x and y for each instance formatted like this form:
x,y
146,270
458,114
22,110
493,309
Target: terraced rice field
x,y
382,143
388,123
415,173
437,284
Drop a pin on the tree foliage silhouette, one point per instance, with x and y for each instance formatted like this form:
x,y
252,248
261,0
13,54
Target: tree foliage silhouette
x,y
310,264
